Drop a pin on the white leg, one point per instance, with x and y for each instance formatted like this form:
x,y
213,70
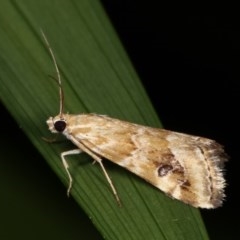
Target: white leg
x,y
96,159
110,183
99,161
66,166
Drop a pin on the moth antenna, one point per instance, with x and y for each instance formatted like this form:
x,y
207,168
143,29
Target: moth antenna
x,y
58,80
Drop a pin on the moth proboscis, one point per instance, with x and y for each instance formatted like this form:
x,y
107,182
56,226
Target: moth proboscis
x,y
185,167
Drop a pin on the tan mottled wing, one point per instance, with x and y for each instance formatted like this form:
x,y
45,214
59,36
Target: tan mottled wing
x,y
185,167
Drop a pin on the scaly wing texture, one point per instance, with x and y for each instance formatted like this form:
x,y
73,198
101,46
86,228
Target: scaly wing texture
x,y
186,167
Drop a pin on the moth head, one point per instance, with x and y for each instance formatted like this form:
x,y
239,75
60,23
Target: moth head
x,y
56,124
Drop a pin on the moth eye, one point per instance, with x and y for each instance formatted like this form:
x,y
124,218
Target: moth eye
x,y
60,125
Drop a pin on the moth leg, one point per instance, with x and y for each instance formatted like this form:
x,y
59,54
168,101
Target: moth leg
x,y
99,161
110,182
66,166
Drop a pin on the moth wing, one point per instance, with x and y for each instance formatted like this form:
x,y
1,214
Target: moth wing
x,y
183,166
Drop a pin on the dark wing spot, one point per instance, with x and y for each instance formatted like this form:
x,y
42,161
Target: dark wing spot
x,y
164,169
185,185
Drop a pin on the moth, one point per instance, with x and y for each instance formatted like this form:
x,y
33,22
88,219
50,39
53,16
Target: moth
x,y
185,167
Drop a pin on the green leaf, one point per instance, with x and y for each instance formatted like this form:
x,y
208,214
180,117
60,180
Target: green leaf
x,y
97,77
